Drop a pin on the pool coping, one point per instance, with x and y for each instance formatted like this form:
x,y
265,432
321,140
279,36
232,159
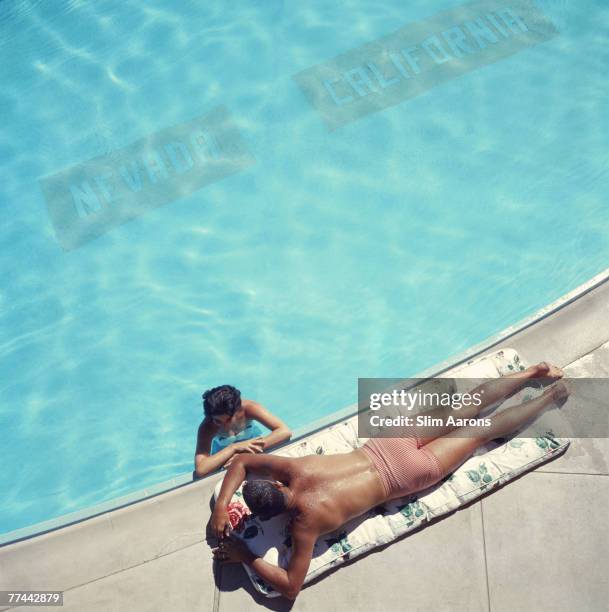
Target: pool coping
x,y
180,481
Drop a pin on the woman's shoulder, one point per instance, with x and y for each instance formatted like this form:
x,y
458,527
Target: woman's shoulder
x,y
249,408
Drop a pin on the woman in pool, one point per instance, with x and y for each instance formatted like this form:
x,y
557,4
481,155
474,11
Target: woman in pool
x,y
230,427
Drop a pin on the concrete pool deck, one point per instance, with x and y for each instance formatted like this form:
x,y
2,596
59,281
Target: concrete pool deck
x,y
538,542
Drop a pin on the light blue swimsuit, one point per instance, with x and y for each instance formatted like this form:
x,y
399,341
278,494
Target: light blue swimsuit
x,y
251,430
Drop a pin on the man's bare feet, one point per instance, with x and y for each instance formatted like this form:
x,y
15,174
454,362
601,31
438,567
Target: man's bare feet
x,y
547,370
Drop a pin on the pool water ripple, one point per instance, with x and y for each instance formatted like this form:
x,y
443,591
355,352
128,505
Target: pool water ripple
x,y
377,249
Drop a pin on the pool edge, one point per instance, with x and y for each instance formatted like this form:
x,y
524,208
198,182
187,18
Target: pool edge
x,y
182,480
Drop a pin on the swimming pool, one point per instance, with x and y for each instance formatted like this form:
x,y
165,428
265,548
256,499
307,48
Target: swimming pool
x,y
317,254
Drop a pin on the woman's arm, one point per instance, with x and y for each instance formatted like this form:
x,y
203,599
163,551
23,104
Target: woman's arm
x,y
279,430
205,462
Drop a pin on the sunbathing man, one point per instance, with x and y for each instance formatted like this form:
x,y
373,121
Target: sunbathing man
x,y
321,492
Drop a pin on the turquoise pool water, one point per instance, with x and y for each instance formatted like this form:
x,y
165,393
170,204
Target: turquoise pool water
x,y
375,249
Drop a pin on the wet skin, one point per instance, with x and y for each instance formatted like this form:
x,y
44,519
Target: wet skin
x,y
322,492
328,490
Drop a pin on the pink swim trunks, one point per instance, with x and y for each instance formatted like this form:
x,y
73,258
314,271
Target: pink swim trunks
x,y
404,464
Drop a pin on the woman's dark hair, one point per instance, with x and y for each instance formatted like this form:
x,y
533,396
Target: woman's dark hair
x,y
221,400
263,498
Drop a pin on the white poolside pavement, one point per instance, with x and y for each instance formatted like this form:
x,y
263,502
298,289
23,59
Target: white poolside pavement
x,y
538,543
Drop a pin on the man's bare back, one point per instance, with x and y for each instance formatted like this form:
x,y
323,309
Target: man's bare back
x,y
329,490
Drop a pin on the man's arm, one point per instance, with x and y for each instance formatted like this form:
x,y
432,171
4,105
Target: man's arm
x,y
271,465
288,581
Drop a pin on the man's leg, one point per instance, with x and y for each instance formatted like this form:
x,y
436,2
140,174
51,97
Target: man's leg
x,y
454,448
491,392
496,390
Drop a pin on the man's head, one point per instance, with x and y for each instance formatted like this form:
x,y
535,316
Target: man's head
x,y
265,498
220,404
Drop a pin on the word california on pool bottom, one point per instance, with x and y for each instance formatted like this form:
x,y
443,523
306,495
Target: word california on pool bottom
x,y
420,56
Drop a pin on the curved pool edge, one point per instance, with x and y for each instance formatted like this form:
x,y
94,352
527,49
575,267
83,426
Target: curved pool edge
x,y
163,535
569,351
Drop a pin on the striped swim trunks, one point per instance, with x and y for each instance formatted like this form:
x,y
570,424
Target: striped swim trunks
x,y
404,465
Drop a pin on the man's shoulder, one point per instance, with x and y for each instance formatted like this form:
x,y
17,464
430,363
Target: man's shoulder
x,y
306,523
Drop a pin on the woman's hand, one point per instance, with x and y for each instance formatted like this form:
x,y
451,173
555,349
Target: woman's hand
x,y
220,522
255,445
232,550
